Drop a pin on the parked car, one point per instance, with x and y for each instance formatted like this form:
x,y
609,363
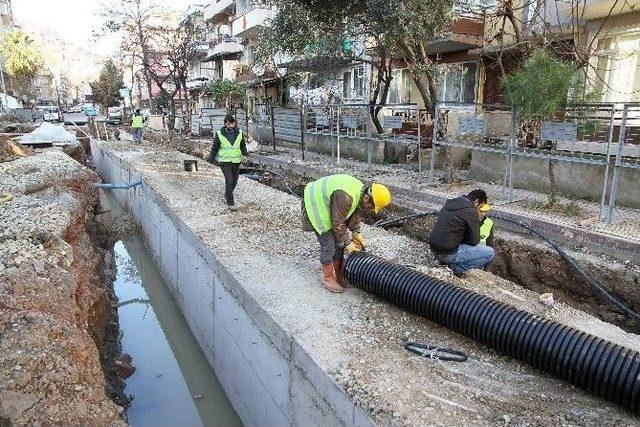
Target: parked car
x,y
49,113
114,115
90,111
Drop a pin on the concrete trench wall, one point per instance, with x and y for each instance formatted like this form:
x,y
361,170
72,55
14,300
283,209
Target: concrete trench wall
x,y
269,378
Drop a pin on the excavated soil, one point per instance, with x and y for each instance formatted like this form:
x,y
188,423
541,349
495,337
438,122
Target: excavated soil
x,y
58,325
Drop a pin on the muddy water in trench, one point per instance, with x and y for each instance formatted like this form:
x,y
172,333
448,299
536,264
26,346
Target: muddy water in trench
x,y
173,384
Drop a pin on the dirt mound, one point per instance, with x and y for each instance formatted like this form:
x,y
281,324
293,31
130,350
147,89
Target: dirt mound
x,y
57,305
10,150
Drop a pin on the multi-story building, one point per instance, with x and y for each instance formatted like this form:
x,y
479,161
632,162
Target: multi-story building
x,y
605,33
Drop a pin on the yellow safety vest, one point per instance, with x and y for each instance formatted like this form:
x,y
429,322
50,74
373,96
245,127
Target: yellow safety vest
x,y
317,198
230,153
137,122
485,230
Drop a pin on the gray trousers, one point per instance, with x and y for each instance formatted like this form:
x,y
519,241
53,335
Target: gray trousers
x,y
329,250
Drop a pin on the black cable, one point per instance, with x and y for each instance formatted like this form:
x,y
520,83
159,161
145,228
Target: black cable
x,y
593,283
435,352
395,221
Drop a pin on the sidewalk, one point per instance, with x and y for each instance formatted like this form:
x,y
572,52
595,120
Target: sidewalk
x,y
572,222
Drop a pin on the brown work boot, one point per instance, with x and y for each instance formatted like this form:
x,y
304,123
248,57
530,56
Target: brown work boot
x,y
329,279
337,270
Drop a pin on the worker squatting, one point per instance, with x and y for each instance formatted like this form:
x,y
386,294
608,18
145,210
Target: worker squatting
x,y
462,237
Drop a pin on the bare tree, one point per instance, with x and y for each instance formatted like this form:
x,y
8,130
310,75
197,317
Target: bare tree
x,y
161,43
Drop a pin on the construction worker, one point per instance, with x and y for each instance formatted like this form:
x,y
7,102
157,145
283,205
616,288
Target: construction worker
x,y
137,124
331,207
228,149
455,239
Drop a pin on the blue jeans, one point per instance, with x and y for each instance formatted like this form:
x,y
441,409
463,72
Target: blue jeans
x,y
137,135
468,257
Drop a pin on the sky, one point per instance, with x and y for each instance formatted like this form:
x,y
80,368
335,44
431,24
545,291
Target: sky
x,y
75,20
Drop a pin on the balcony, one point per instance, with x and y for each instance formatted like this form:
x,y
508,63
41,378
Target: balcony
x,y
465,33
225,45
249,21
219,7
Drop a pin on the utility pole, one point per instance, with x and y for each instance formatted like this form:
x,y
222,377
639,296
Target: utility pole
x,y
5,100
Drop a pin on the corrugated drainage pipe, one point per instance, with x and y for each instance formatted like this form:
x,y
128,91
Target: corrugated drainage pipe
x,y
594,364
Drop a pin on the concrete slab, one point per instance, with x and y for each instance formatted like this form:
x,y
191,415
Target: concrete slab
x,y
334,359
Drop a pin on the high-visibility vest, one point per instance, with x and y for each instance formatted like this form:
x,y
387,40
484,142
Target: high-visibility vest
x,y
137,122
317,199
230,153
485,230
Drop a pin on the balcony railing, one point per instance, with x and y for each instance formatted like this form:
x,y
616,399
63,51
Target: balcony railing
x,y
225,45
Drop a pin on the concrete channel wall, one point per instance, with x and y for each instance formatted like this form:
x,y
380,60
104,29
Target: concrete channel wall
x,y
268,376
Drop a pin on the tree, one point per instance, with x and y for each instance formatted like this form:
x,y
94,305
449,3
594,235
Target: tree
x,y
160,42
22,59
538,90
389,28
106,89
225,91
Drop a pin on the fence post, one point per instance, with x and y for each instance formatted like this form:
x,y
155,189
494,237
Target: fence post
x,y
338,137
367,118
303,127
273,126
419,142
606,167
616,174
434,139
512,142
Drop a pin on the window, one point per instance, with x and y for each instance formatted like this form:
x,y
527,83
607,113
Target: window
x,y
457,83
358,82
618,68
346,84
400,87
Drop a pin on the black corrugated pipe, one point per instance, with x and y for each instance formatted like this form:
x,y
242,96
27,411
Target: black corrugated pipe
x,y
605,369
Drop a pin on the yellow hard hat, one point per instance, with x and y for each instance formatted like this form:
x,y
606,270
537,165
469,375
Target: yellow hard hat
x,y
381,196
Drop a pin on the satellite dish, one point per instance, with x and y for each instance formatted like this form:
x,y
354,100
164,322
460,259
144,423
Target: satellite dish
x,y
258,70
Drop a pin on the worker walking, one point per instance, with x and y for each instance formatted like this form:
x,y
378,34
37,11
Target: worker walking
x,y
137,124
331,207
456,236
228,149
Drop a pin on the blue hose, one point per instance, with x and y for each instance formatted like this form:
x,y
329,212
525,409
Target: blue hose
x,y
119,186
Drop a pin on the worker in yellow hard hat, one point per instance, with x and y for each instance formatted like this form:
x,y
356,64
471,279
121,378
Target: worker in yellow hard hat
x,y
331,207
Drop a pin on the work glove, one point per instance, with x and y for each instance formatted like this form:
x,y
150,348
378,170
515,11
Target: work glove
x,y
352,247
359,240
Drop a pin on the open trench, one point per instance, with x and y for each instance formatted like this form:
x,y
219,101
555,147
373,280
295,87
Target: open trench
x,y
520,259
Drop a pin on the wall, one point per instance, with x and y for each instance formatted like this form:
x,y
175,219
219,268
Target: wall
x,y
573,179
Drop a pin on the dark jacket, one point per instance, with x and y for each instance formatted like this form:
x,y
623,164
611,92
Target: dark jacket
x,y
458,222
340,206
231,136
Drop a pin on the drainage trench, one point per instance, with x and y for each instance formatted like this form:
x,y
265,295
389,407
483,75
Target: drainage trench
x,y
170,380
526,262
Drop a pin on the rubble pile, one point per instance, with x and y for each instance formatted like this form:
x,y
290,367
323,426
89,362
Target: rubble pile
x,y
55,296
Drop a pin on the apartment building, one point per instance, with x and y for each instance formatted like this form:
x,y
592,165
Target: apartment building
x,y
606,31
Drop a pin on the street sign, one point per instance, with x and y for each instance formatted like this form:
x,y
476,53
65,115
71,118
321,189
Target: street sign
x,y
393,122
124,93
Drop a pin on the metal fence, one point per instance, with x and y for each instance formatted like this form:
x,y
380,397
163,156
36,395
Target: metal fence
x,y
342,122
579,134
